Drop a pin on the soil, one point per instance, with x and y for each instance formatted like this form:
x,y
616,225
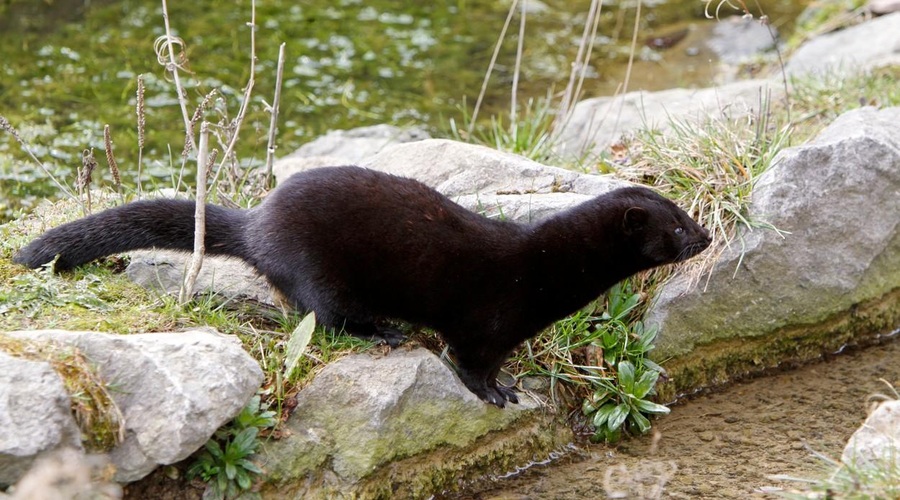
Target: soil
x,y
728,444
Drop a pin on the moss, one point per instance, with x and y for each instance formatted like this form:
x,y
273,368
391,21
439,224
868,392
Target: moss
x,y
446,469
720,362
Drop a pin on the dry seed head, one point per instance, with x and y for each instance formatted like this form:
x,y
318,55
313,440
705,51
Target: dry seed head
x,y
198,114
88,163
110,158
141,122
5,125
212,161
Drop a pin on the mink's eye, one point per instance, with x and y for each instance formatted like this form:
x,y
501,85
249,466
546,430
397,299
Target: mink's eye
x,y
679,230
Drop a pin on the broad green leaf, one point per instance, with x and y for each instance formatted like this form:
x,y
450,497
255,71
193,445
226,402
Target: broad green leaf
x,y
648,407
222,482
626,376
245,441
230,471
249,466
645,384
243,479
213,448
652,366
617,416
602,415
640,420
298,343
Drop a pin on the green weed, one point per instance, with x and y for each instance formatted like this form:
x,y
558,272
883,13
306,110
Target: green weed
x,y
603,358
224,463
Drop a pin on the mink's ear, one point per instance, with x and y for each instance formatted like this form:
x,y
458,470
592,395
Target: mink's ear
x,y
634,220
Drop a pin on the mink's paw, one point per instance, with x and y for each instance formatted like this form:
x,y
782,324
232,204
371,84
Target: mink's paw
x,y
489,392
391,336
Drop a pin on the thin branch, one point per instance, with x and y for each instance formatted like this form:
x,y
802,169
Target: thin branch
x,y
173,67
193,271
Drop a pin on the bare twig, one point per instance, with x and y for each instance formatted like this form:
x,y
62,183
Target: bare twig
x,y
193,271
273,123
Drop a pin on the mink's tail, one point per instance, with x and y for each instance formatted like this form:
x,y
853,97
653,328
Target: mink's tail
x,y
162,223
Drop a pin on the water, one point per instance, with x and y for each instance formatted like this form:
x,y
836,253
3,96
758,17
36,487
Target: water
x,y
70,66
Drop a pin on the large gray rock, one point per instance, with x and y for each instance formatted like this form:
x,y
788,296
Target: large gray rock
x,y
164,271
344,147
873,43
599,122
836,203
173,389
35,415
363,412
489,181
877,442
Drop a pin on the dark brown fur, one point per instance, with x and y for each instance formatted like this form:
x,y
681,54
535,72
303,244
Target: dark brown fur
x,y
359,247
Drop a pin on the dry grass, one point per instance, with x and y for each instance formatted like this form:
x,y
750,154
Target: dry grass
x,y
101,421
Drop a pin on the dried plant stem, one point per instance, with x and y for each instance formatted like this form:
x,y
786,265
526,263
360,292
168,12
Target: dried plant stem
x,y
199,218
520,47
634,35
487,75
88,164
239,119
173,67
111,161
273,123
580,65
5,125
141,124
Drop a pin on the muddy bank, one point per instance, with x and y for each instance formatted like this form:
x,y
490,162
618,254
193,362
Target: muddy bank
x,y
727,444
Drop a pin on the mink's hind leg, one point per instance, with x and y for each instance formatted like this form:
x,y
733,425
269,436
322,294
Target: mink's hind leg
x,y
478,370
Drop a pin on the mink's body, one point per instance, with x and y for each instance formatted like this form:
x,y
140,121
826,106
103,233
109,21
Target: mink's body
x,y
359,246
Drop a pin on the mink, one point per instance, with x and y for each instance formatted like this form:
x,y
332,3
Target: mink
x,y
362,248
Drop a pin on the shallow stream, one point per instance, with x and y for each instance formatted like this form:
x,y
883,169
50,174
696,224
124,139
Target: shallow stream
x,y
729,443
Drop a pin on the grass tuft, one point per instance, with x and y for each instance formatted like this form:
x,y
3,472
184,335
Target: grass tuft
x,y
95,412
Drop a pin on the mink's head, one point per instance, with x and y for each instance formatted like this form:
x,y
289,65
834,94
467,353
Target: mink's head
x,y
662,232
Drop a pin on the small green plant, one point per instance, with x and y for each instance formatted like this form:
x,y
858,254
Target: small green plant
x,y
224,464
625,379
602,358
